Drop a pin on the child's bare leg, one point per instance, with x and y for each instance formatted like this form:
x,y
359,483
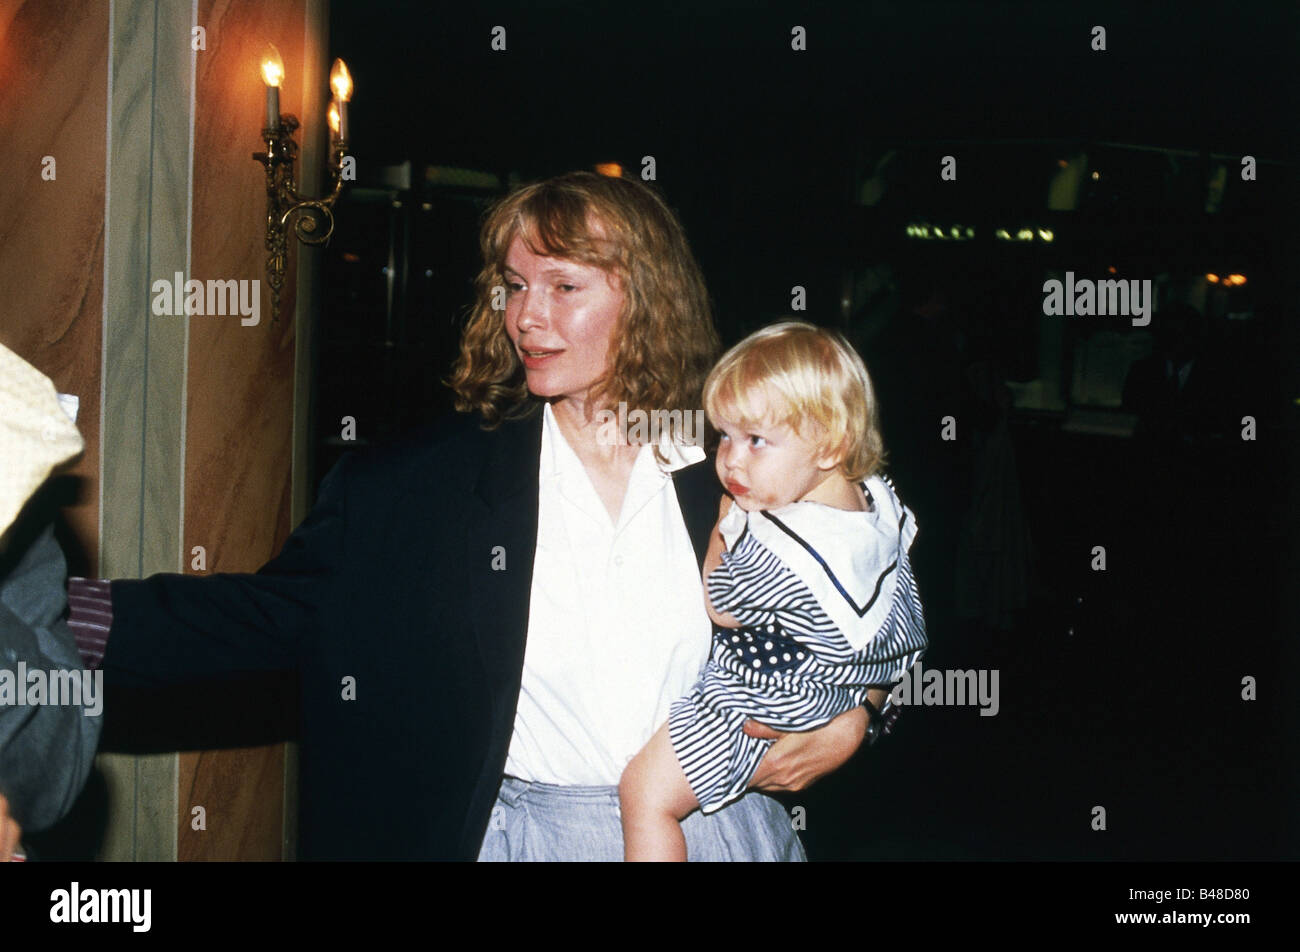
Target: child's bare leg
x,y
654,797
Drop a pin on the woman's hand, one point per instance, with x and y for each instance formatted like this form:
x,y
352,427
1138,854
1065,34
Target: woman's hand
x,y
797,760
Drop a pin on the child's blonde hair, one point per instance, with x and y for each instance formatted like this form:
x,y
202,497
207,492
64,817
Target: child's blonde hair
x,y
810,375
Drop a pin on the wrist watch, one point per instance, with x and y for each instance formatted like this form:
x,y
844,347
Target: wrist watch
x,y
878,724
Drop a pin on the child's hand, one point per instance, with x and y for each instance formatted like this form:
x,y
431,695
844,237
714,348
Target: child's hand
x,y
798,760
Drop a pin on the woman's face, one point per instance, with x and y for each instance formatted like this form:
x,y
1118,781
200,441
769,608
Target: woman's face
x,y
561,316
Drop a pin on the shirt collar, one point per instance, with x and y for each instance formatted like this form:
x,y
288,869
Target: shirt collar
x,y
557,452
678,454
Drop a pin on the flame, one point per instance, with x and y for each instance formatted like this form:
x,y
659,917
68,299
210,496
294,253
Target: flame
x,y
341,81
272,66
334,118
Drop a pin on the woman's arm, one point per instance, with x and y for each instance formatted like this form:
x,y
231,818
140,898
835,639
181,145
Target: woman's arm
x,y
798,760
169,629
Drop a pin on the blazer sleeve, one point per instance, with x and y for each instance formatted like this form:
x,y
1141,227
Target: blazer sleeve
x,y
170,629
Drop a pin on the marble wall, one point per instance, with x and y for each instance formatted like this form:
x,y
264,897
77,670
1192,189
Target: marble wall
x,y
241,382
194,425
53,94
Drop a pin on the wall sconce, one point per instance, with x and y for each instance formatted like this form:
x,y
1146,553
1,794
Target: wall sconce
x,y
313,217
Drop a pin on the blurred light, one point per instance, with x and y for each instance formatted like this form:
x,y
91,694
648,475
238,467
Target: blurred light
x,y
1063,163
950,233
341,81
351,257
1235,279
272,66
334,118
1025,234
610,169
1096,176
1002,233
1110,269
1046,234
1212,278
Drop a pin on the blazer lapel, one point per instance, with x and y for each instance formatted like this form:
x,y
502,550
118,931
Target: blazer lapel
x,y
505,516
698,493
501,541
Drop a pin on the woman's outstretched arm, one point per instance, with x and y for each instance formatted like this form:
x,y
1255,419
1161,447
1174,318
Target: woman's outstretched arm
x,y
176,628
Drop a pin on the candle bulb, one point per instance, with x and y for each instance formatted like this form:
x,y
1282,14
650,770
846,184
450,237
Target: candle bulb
x,y
341,83
272,74
334,121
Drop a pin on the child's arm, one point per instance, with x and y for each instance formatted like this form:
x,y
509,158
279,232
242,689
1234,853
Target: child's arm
x,y
712,559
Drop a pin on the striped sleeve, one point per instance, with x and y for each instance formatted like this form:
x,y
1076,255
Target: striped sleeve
x,y
90,615
752,584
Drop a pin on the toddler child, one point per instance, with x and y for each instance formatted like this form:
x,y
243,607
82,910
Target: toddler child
x,y
812,598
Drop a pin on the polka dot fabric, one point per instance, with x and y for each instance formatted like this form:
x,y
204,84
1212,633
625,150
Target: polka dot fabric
x,y
788,665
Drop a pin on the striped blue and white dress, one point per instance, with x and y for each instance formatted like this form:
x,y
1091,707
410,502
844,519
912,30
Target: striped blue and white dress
x,y
828,608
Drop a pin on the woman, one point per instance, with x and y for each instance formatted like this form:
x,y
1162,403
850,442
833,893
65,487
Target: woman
x,y
492,617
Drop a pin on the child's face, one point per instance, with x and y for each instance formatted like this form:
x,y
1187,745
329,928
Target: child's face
x,y
768,465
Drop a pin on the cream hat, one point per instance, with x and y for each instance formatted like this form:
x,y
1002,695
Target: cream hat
x,y
36,433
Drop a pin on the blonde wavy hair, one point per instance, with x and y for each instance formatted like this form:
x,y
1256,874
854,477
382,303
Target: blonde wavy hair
x,y
813,381
665,340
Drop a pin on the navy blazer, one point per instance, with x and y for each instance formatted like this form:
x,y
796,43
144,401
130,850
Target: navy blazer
x,y
408,642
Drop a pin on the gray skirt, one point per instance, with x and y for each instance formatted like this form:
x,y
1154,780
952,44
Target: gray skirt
x,y
534,822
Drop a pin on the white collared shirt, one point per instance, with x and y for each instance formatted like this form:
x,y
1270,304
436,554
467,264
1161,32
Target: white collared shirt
x,y
617,629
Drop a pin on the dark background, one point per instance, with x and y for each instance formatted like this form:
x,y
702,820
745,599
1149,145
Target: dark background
x,y
1119,688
